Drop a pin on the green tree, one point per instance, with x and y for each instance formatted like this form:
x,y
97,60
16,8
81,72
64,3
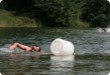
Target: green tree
x,y
96,12
18,5
62,12
54,13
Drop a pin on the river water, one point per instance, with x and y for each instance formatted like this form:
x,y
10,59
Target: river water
x,y
92,52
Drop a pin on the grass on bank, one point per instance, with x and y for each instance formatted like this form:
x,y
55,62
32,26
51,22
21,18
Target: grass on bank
x,y
7,19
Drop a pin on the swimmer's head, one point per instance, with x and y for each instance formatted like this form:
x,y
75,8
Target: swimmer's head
x,y
36,48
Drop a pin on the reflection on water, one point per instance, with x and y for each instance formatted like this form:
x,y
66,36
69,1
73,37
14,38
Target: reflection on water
x,y
62,65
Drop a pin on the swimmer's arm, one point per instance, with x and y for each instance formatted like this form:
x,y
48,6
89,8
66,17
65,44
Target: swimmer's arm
x,y
24,47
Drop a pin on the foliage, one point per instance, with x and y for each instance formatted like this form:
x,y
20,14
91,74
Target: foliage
x,y
7,19
96,12
18,5
53,12
62,13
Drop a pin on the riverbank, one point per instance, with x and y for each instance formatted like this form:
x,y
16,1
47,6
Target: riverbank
x,y
7,19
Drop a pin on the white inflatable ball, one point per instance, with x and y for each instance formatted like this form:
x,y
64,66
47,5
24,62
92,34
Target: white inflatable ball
x,y
61,47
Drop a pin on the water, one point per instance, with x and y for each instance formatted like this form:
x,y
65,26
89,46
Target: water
x,y
92,52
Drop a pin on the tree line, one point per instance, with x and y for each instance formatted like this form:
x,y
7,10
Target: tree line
x,y
62,13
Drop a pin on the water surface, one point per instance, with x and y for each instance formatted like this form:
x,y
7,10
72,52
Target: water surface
x,y
92,52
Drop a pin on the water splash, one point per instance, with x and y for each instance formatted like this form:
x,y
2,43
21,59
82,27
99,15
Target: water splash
x,y
6,50
104,30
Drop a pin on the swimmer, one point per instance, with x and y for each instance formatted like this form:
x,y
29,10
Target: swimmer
x,y
34,48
